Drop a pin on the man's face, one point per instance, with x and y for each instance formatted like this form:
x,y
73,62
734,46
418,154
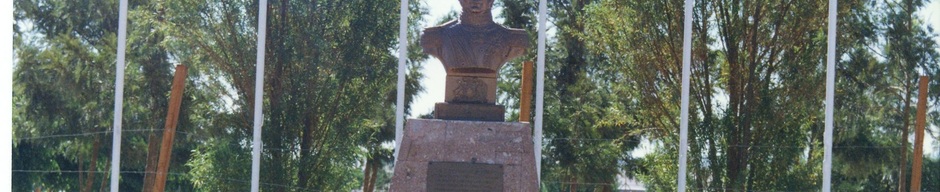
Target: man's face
x,y
476,6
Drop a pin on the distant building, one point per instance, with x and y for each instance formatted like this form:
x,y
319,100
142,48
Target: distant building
x,y
625,184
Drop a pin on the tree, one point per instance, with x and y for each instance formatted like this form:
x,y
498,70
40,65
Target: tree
x,y
910,51
327,62
587,140
764,57
64,92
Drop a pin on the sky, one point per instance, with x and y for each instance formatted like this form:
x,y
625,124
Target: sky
x,y
433,70
931,15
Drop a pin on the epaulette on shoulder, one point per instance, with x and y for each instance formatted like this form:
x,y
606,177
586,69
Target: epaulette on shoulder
x,y
518,32
433,29
519,37
440,27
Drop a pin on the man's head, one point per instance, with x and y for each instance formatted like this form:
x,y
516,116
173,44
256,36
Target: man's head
x,y
476,6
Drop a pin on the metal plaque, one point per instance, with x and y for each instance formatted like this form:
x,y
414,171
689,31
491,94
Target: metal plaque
x,y
464,177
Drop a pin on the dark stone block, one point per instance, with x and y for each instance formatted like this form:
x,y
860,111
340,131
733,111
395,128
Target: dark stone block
x,y
459,176
469,112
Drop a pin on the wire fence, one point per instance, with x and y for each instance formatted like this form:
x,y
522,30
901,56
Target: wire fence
x,y
284,186
546,140
92,134
621,184
169,173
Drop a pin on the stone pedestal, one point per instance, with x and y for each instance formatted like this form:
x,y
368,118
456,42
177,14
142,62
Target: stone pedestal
x,y
465,156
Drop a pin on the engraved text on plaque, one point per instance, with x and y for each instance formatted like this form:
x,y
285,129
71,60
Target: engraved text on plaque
x,y
452,176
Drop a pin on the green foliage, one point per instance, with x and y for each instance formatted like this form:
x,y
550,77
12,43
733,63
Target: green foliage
x,y
755,122
64,85
587,137
613,70
329,90
326,62
931,173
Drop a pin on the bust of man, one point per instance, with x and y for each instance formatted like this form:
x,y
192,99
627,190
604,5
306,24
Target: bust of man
x,y
472,49
474,43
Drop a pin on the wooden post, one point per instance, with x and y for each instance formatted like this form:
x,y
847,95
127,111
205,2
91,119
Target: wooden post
x,y
172,117
919,135
525,100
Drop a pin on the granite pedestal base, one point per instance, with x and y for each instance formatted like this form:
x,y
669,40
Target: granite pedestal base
x,y
469,155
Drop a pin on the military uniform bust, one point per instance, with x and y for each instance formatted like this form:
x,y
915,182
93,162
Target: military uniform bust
x,y
472,49
474,43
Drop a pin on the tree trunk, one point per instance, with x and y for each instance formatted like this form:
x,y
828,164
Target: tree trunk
x,y
375,174
306,145
366,176
81,163
902,178
573,187
370,173
107,175
153,154
90,177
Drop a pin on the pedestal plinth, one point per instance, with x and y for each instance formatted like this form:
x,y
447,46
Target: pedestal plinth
x,y
471,97
446,155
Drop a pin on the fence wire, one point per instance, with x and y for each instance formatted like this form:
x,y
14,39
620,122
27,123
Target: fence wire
x,y
169,173
548,142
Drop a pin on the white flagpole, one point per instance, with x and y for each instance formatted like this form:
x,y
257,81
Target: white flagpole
x,y
402,56
257,144
684,111
540,89
830,96
119,98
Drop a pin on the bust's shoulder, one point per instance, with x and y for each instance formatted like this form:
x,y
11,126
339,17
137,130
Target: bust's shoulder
x,y
515,31
437,29
431,36
518,33
518,37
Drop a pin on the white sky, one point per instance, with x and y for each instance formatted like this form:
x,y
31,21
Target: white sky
x,y
931,15
433,70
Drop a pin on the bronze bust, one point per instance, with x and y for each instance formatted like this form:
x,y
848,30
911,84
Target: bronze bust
x,y
474,43
472,48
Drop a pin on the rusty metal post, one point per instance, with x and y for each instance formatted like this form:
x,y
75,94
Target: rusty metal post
x,y
525,97
921,123
169,131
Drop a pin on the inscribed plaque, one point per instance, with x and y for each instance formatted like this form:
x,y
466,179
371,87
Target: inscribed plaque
x,y
464,177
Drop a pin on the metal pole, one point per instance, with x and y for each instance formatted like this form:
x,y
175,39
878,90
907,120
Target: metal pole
x,y
830,96
402,58
540,89
118,97
684,108
6,145
257,144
